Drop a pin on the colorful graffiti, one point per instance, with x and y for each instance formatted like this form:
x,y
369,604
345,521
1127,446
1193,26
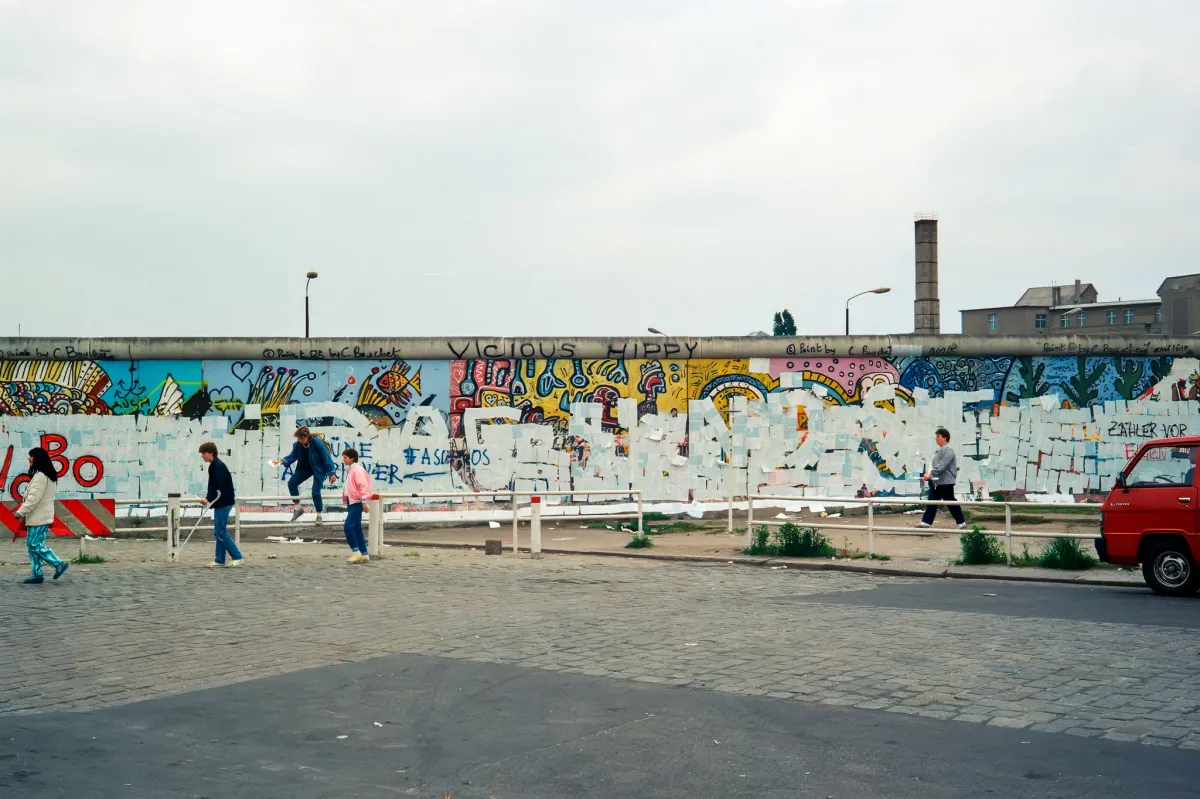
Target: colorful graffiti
x,y
29,388
669,426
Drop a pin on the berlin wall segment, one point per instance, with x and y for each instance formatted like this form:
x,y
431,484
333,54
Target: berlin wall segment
x,y
832,416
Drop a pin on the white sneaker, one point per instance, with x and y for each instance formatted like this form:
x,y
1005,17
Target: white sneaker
x,y
215,565
962,526
297,513
922,524
320,521
364,559
233,564
354,556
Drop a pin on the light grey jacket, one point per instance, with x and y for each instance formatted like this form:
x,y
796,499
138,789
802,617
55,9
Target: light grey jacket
x,y
38,507
943,471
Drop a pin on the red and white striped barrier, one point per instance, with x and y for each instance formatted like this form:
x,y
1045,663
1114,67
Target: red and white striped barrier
x,y
72,517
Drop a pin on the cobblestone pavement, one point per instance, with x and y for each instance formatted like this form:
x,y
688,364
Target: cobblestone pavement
x,y
135,628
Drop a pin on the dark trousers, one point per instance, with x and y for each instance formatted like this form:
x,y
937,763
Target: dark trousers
x,y
945,492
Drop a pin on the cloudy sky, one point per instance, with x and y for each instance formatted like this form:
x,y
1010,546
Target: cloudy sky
x,y
536,167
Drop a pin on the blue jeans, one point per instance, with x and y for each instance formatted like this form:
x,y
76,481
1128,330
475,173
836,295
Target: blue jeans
x,y
302,473
353,528
221,535
39,553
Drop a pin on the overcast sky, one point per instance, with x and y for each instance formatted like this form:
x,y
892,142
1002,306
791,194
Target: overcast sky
x,y
559,167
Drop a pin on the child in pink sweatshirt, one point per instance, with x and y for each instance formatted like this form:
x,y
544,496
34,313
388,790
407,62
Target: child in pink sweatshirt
x,y
355,494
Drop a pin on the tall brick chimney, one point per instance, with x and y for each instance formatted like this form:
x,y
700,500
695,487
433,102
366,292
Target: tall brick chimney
x,y
927,310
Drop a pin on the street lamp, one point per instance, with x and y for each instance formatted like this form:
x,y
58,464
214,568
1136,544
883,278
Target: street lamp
x,y
1068,312
656,331
311,277
880,290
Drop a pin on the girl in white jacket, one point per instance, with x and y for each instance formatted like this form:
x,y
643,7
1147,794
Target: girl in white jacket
x,y
37,511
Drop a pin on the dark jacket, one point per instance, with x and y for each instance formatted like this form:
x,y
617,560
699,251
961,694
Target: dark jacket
x,y
316,455
219,479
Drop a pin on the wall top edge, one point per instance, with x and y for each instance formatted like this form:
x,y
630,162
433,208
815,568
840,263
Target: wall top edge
x,y
681,347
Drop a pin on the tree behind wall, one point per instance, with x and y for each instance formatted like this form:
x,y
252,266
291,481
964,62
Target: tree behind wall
x,y
785,325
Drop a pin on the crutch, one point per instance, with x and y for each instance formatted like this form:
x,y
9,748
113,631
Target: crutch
x,y
203,510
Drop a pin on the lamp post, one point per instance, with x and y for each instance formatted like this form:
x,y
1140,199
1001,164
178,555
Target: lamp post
x,y
1067,313
311,277
880,290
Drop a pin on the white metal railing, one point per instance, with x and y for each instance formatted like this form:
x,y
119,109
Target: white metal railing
x,y
871,528
376,520
535,508
374,509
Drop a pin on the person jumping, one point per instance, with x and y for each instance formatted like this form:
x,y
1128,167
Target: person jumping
x,y
312,460
356,492
37,512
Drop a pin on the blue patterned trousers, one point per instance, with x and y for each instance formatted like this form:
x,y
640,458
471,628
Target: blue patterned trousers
x,y
39,553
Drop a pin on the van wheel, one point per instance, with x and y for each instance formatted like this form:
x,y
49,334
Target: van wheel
x,y
1169,569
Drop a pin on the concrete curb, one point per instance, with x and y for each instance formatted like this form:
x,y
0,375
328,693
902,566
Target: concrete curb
x,y
802,565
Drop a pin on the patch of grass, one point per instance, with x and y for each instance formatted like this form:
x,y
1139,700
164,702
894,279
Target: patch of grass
x,y
1018,518
1065,553
86,558
760,545
866,556
412,554
807,543
979,548
680,527
639,542
790,541
1060,553
655,517
1025,558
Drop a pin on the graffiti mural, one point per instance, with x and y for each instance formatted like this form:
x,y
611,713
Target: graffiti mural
x,y
251,394
722,380
801,425
384,391
30,388
480,384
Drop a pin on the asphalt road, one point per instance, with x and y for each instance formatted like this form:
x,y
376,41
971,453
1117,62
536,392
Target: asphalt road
x,y
407,725
1139,606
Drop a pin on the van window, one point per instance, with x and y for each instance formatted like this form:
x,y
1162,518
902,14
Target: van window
x,y
1163,466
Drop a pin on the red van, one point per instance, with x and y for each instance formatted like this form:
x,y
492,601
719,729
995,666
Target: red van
x,y
1150,517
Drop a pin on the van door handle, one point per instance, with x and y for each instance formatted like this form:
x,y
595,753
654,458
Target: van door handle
x,y
1185,500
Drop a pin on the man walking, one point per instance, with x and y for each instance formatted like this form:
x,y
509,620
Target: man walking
x,y
220,497
312,461
943,471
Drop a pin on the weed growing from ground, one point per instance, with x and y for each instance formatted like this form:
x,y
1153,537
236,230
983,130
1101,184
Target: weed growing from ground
x,y
639,542
1065,553
979,548
790,541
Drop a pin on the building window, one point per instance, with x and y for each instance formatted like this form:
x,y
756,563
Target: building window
x,y
1064,320
1129,316
1039,321
1112,317
1082,317
992,321
1158,314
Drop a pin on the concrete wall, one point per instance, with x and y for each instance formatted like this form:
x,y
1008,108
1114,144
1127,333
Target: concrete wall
x,y
806,416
